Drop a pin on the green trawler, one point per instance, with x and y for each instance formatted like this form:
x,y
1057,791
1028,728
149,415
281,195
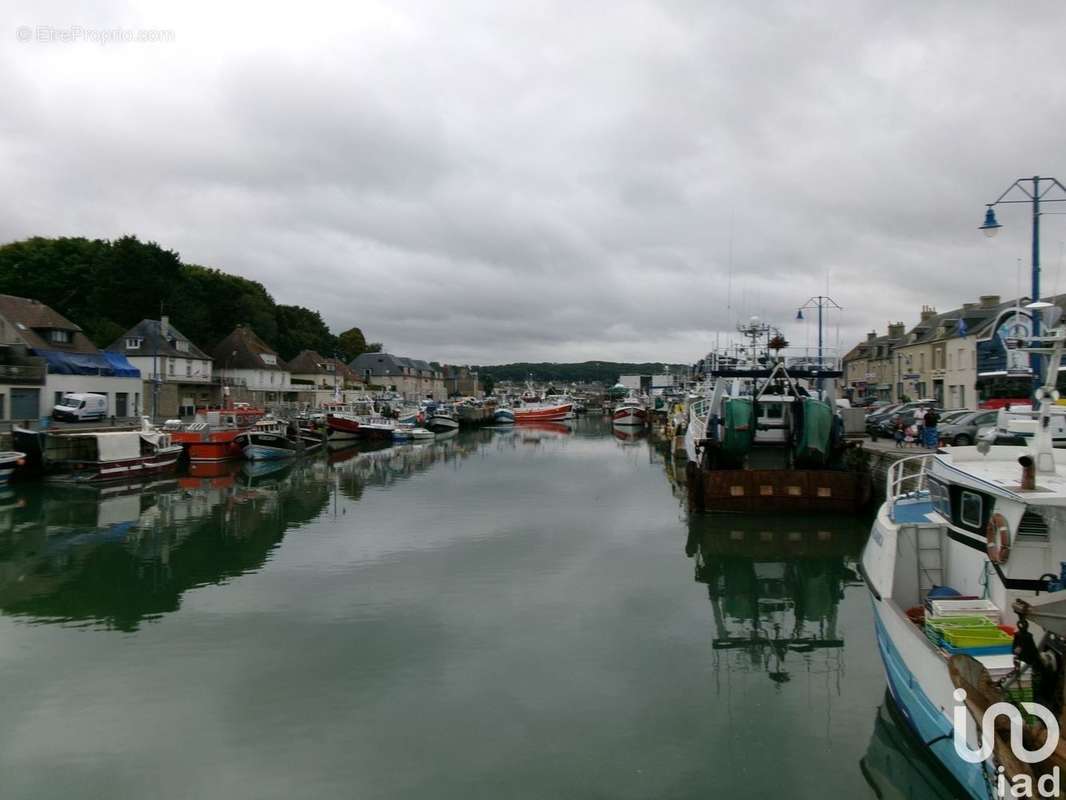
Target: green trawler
x,y
766,442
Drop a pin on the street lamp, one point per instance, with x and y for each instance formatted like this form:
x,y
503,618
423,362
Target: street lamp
x,y
1035,191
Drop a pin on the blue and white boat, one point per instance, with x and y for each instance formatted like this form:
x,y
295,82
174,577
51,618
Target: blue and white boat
x,y
504,416
9,459
977,531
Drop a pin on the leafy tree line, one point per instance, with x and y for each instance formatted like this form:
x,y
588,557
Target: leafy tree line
x,y
107,287
605,372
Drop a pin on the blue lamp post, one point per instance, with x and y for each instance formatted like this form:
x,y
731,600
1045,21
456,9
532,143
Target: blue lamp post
x,y
1034,191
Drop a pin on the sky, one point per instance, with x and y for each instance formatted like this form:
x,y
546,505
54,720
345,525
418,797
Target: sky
x,y
486,182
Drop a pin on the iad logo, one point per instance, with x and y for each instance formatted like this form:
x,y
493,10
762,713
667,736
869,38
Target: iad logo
x,y
1022,786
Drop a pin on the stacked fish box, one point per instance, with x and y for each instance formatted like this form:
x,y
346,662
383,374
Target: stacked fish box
x,y
966,625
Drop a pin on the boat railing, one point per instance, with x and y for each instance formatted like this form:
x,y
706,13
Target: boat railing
x,y
907,480
697,418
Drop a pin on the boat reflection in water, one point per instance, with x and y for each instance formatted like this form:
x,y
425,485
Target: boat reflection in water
x,y
775,585
896,765
115,557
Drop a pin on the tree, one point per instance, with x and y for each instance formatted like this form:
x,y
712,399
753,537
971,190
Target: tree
x,y
351,344
375,347
300,329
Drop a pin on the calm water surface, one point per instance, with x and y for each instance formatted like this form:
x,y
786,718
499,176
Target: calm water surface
x,y
507,614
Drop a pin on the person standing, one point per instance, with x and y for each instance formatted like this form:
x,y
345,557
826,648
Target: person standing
x,y
929,422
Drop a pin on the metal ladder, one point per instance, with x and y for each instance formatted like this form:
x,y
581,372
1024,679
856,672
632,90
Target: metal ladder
x,y
930,558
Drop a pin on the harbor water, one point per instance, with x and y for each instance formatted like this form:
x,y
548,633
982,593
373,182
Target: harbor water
x,y
517,613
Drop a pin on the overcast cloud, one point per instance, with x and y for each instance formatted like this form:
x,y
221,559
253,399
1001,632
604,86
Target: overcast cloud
x,y
493,181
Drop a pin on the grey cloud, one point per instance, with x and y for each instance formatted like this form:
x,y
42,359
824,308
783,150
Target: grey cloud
x,y
483,182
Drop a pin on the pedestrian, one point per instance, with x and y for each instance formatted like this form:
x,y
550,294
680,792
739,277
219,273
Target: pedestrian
x,y
930,421
899,429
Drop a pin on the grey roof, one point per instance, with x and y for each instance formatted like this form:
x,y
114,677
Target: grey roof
x,y
946,325
388,364
157,339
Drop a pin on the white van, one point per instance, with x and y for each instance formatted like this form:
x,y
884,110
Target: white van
x,y
80,407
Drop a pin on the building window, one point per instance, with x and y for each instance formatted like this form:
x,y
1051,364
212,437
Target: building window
x,y
59,337
173,366
133,343
188,368
182,346
269,358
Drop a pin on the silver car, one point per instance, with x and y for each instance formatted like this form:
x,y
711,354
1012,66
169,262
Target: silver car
x,y
962,430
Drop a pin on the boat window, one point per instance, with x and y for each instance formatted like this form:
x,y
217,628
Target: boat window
x,y
938,493
970,509
771,410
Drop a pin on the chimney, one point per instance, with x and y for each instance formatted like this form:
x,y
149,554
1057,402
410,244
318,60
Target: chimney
x,y
1028,483
164,323
928,312
896,330
989,300
871,336
969,306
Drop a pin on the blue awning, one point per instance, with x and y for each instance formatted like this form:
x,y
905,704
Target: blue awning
x,y
105,363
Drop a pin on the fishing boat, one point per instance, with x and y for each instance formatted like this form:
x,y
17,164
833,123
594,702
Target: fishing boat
x,y
547,411
966,568
342,423
98,456
442,419
9,459
630,412
764,441
503,416
212,434
270,440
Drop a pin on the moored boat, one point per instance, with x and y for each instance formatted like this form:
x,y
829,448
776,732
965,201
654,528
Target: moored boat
x,y
542,412
211,436
630,412
442,420
98,456
271,440
966,568
503,416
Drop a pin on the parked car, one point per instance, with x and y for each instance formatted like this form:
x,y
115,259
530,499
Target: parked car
x,y
77,407
873,421
962,430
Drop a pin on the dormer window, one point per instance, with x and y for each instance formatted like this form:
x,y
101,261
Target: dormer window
x,y
269,359
59,337
182,346
133,343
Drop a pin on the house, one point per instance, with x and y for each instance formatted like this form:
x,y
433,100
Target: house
x,y
177,374
49,356
251,369
322,380
869,368
938,357
411,378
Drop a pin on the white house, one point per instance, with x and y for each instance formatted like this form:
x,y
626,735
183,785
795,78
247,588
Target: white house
x,y
246,362
177,374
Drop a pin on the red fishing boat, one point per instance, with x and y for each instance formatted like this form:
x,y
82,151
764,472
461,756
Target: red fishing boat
x,y
342,426
212,436
543,412
630,413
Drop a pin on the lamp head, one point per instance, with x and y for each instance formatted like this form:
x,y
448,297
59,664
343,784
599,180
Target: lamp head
x,y
991,226
799,313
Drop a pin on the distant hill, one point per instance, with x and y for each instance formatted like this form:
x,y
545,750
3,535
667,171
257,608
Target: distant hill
x,y
605,372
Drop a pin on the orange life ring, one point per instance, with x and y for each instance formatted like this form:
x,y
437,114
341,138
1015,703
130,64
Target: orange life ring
x,y
997,536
